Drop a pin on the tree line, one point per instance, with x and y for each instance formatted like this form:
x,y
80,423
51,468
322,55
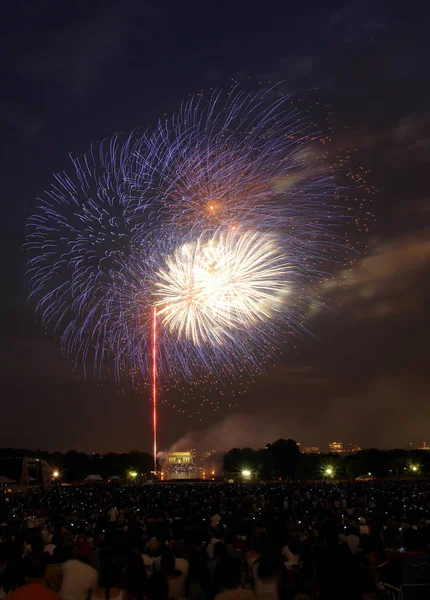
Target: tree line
x,y
280,459
283,459
75,466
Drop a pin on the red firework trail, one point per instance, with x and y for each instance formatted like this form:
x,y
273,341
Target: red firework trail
x,y
154,383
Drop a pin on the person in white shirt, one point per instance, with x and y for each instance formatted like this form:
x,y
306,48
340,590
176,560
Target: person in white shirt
x,y
182,565
269,575
149,563
218,537
49,548
292,556
352,538
152,556
79,579
215,519
175,579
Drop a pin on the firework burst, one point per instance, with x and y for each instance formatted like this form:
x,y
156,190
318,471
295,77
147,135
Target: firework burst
x,y
220,217
212,289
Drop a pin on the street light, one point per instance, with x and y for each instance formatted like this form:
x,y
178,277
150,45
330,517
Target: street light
x,y
55,474
133,474
246,473
329,471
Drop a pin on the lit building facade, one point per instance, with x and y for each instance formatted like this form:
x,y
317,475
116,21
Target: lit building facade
x,y
336,447
424,446
180,458
311,450
180,465
353,449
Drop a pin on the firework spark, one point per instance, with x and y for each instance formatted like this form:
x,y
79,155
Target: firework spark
x,y
209,289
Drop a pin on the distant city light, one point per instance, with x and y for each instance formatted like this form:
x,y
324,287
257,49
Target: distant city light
x,y
336,447
311,450
424,446
55,474
246,473
133,474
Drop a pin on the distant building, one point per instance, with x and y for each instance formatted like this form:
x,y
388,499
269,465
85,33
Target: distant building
x,y
180,465
351,448
336,447
183,458
93,478
424,446
311,450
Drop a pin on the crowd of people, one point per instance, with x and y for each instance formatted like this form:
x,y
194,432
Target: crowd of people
x,y
177,541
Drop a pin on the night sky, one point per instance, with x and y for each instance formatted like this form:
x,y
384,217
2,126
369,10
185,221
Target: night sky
x,y
76,72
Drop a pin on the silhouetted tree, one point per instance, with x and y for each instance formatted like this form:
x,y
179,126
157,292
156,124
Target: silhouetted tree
x,y
283,456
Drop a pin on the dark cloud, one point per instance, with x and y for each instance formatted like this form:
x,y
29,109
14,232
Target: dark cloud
x,y
391,280
388,411
382,414
82,53
234,431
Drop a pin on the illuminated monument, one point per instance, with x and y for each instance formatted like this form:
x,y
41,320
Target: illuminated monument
x,y
180,465
191,464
